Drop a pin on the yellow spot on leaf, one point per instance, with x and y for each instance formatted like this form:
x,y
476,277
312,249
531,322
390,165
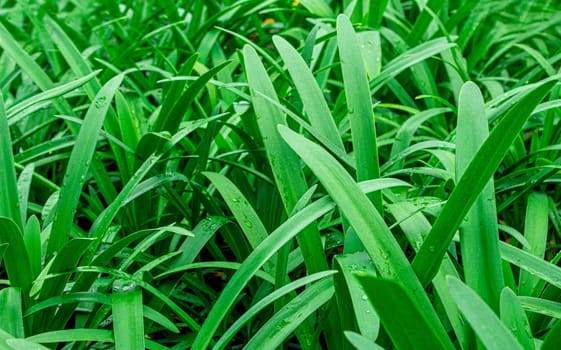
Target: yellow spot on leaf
x,y
268,21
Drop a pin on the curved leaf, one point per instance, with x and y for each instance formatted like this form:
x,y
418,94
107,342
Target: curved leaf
x,y
487,326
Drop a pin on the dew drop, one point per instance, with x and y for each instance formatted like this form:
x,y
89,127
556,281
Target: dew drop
x,y
100,102
248,223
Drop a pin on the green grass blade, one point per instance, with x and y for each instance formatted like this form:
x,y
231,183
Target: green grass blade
x,y
129,126
474,179
24,187
515,319
8,342
181,313
284,162
104,220
9,198
79,164
261,304
552,340
173,93
175,117
128,319
16,344
415,226
72,335
371,46
359,106
275,241
314,102
319,8
367,222
541,306
70,52
487,326
3,247
191,247
353,309
244,213
424,20
536,266
80,66
16,259
222,265
38,75
28,65
11,315
408,59
99,298
479,233
341,154
67,258
360,342
102,224
21,107
32,240
375,12
535,232
287,319
403,320
408,128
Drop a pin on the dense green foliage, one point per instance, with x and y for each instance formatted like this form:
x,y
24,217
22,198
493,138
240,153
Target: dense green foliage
x,y
319,174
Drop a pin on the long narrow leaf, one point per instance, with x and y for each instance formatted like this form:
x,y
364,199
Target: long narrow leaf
x,y
79,164
128,316
71,335
9,199
284,162
55,92
400,315
487,326
408,59
349,292
254,261
367,222
535,232
359,107
261,304
474,179
536,266
16,259
286,320
11,315
479,238
248,219
314,102
515,319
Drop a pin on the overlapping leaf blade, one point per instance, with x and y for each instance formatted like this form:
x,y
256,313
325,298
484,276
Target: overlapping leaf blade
x,y
476,175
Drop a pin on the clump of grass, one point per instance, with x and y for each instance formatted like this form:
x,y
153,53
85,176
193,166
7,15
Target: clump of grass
x,y
310,174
